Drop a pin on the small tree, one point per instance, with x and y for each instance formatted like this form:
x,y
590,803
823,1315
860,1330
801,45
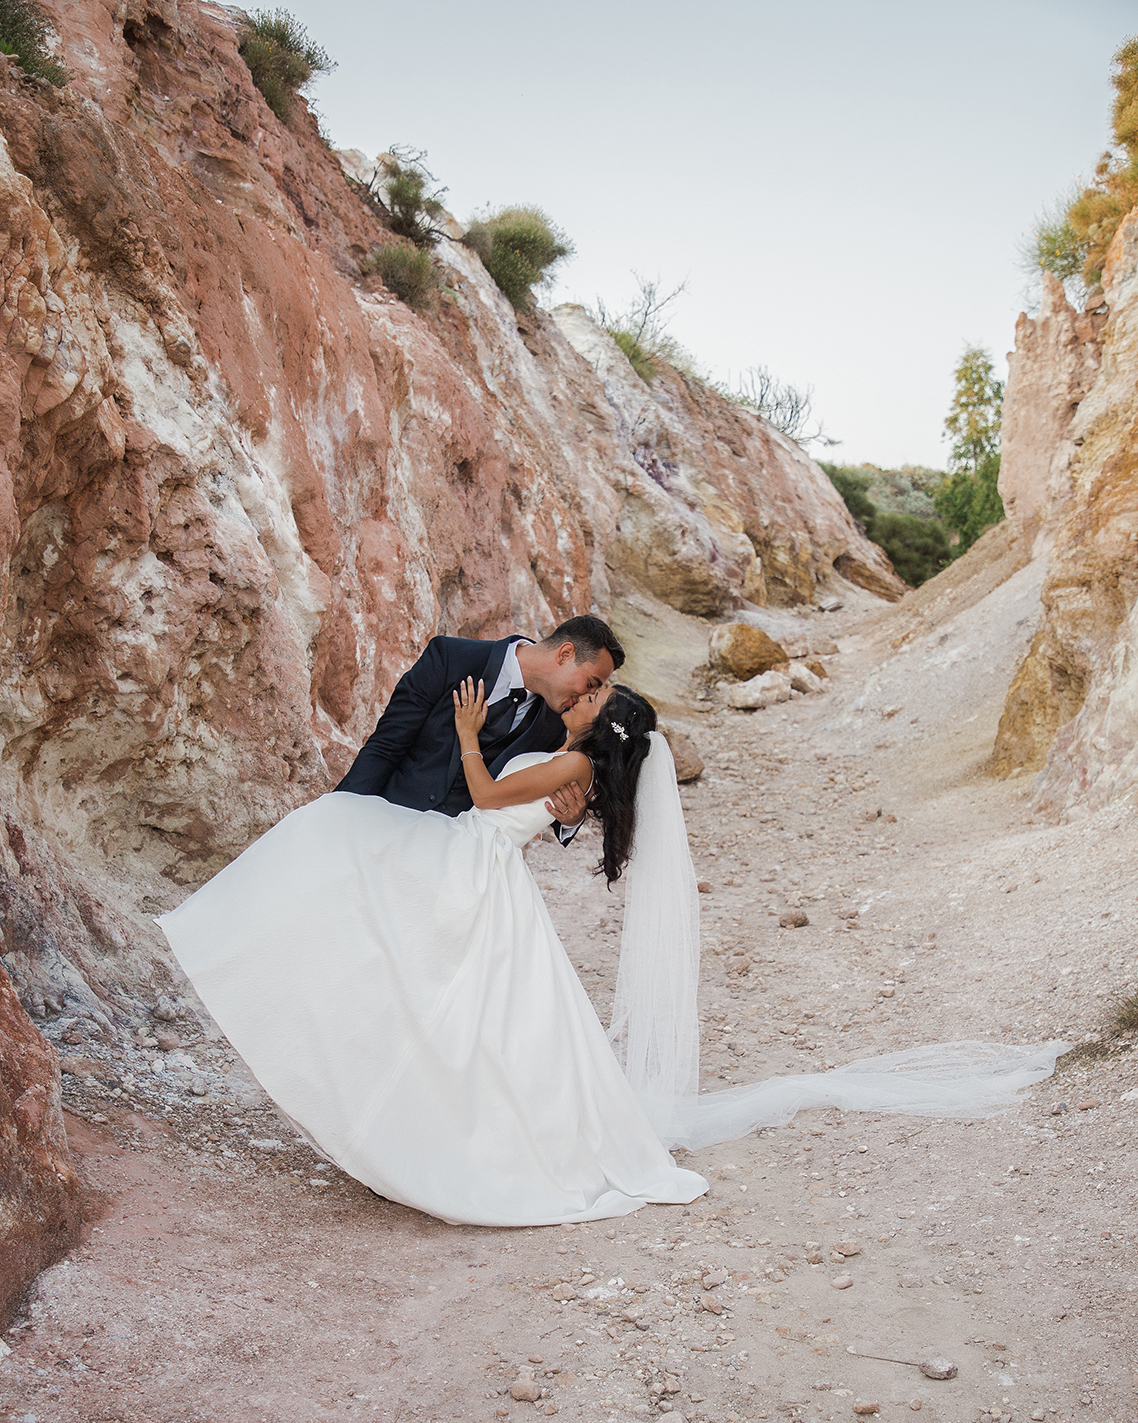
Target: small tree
x,y
519,247
969,500
25,33
282,59
786,407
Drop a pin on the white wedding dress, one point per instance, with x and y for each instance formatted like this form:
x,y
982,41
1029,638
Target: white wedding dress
x,y
394,982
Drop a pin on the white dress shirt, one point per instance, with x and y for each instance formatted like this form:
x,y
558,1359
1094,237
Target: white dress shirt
x,y
509,680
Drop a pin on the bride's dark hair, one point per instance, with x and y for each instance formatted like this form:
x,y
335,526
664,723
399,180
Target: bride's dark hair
x,y
617,759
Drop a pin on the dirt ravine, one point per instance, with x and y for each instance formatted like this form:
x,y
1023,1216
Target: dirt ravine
x,y
229,1280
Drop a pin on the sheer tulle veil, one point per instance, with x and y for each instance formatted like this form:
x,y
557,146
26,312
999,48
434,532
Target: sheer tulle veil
x,y
655,1024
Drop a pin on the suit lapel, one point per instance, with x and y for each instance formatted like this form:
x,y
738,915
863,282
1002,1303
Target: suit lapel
x,y
489,675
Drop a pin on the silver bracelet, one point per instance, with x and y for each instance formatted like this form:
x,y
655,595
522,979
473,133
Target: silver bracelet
x,y
465,754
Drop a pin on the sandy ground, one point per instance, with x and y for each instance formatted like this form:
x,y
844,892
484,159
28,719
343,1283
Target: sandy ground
x,y
225,1280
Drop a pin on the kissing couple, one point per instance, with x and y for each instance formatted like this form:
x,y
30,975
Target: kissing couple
x,y
385,964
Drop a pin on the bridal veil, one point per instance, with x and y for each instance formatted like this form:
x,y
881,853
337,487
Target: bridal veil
x,y
655,1023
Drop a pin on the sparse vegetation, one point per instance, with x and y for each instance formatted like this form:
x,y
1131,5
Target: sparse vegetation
x,y
405,270
25,34
916,543
281,58
641,330
413,202
786,407
1071,240
519,247
1117,1035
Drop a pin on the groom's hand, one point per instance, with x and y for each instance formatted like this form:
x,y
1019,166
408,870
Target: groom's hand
x,y
567,804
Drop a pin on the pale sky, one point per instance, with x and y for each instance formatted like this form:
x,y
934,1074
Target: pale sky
x,y
842,186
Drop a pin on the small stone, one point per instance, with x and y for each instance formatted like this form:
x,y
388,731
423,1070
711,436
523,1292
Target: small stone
x,y
564,1293
793,919
842,1282
167,1042
910,1282
847,1247
802,679
714,1278
525,1389
1038,1416
936,1368
818,669
689,763
550,1409
165,1012
1058,1109
815,1258
1084,1106
866,1408
536,1359
915,1404
715,1306
502,1412
704,886
198,1087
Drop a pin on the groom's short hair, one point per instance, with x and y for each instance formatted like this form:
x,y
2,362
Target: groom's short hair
x,y
590,637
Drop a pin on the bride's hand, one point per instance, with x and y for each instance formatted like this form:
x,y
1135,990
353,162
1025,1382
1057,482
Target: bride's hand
x,y
469,708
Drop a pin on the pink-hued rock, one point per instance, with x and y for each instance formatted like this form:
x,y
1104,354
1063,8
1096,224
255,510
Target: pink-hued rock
x,y
39,1190
240,486
1055,362
1072,709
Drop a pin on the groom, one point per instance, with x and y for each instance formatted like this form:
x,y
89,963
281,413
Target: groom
x,y
412,757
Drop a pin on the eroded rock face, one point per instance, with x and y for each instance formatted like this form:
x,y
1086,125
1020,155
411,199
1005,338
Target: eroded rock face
x,y
1073,707
240,487
1053,366
39,1190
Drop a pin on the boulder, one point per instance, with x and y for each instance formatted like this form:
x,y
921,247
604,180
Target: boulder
x,y
689,763
743,651
39,1220
818,669
761,691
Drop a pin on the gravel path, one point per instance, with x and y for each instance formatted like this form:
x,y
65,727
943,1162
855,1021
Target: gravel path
x,y
230,1276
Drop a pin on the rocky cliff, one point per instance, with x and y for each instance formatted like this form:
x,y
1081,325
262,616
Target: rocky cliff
x,y
1069,478
240,486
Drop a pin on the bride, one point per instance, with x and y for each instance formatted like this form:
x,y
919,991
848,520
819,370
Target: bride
x,y
394,981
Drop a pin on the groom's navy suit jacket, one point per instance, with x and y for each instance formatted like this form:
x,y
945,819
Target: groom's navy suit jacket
x,y
412,757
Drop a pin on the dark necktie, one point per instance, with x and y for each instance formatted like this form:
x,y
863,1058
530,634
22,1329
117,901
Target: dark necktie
x,y
500,718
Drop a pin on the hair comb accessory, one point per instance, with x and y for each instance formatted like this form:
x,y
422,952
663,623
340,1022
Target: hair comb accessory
x,y
620,731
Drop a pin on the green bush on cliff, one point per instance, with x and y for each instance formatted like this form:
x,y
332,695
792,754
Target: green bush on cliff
x,y
406,270
519,247
25,33
414,207
1073,240
281,58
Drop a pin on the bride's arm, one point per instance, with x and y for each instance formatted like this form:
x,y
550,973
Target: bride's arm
x,y
534,783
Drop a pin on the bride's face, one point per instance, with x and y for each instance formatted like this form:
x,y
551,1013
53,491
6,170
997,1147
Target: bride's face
x,y
583,713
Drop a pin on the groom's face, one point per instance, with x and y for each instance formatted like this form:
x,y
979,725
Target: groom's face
x,y
569,679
